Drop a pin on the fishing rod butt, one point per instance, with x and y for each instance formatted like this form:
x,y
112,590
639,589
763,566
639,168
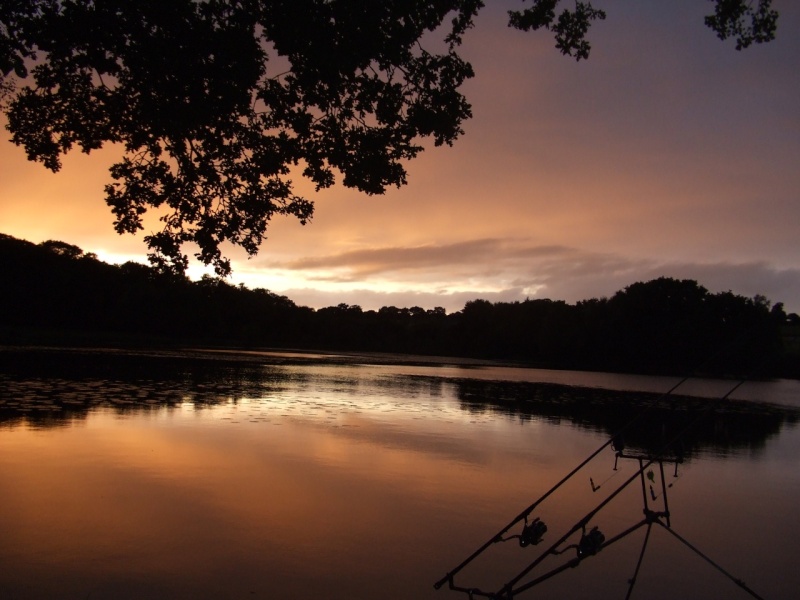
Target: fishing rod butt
x,y
442,581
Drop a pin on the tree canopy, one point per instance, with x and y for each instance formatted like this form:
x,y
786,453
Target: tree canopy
x,y
217,102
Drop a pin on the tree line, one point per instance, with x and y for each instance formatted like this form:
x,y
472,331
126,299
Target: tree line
x,y
54,292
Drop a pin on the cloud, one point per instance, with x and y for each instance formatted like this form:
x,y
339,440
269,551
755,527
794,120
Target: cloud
x,y
379,260
489,255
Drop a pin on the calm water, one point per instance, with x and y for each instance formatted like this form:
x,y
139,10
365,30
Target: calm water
x,y
220,475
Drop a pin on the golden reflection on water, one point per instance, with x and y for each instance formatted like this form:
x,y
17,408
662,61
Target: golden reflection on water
x,y
339,486
168,501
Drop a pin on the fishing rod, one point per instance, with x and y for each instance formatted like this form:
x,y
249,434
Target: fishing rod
x,y
593,542
590,544
527,511
508,590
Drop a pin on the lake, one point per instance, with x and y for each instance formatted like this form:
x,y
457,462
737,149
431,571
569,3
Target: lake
x,y
210,474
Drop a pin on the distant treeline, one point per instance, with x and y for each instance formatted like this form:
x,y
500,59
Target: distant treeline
x,y
53,292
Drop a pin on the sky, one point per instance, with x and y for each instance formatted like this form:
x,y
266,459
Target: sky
x,y
667,153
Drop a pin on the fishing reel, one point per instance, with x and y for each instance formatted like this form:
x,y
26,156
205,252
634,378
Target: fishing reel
x,y
532,532
591,543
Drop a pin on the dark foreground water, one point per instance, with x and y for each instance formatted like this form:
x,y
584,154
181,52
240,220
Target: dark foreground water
x,y
221,475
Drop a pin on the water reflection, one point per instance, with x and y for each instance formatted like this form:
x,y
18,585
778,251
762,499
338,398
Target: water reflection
x,y
197,475
53,388
695,425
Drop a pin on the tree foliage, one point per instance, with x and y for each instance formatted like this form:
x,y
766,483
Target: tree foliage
x,y
218,104
747,21
741,20
569,28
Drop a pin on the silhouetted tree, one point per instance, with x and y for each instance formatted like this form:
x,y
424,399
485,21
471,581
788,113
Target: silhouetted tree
x,y
215,101
62,248
659,325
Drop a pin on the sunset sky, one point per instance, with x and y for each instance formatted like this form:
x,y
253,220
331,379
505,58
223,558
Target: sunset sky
x,y
667,153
